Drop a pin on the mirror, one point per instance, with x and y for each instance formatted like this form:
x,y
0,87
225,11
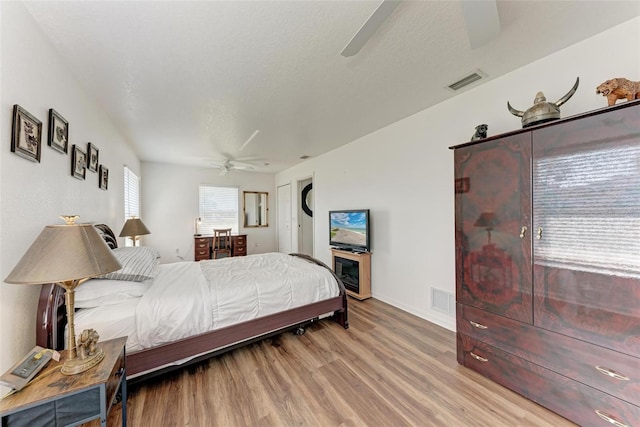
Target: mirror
x,y
256,209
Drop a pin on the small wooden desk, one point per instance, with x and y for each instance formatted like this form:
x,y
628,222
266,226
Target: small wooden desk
x,y
203,245
70,400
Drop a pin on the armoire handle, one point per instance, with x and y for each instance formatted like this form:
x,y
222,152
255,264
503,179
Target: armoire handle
x,y
523,231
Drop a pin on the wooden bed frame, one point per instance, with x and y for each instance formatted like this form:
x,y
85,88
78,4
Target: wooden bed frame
x,y
51,322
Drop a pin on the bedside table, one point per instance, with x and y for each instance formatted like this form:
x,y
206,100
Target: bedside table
x,y
70,400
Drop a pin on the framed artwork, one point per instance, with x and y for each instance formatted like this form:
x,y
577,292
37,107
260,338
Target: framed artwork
x,y
103,178
92,157
26,135
58,132
78,163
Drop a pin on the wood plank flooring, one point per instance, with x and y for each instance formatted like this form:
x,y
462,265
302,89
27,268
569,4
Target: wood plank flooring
x,y
389,368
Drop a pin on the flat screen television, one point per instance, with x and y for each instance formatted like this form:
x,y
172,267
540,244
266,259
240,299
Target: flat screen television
x,y
350,229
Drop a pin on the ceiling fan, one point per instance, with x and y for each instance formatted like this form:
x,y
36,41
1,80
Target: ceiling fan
x,y
229,165
480,16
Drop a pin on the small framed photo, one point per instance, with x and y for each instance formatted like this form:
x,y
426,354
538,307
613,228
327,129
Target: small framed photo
x,y
26,135
78,163
92,157
58,132
103,178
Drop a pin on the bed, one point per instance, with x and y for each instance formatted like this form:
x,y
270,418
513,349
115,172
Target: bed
x,y
238,301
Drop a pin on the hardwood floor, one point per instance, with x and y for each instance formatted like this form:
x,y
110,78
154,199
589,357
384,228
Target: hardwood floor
x,y
388,369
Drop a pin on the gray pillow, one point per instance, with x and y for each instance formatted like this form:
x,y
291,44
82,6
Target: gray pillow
x,y
138,264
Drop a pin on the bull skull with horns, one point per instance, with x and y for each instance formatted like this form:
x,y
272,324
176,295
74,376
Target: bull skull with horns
x,y
542,111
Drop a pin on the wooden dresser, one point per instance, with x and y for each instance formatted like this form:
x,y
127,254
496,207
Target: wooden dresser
x,y
547,233
203,245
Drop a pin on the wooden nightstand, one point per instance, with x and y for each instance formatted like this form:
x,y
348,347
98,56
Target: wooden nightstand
x,y
69,400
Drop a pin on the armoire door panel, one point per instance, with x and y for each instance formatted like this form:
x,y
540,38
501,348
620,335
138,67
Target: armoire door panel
x,y
493,245
586,204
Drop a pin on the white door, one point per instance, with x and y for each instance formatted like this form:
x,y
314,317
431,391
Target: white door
x,y
305,216
284,218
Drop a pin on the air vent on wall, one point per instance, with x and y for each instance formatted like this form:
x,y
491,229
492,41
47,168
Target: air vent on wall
x,y
442,301
466,81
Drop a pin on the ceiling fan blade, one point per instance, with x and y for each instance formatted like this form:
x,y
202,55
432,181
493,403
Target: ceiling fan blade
x,y
244,168
482,21
223,171
253,135
368,29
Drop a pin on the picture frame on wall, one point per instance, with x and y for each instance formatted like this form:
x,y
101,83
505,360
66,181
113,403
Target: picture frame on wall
x,y
58,132
92,157
26,134
103,178
78,163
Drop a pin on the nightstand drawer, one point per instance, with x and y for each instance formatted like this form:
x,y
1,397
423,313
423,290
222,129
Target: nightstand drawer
x,y
240,240
117,375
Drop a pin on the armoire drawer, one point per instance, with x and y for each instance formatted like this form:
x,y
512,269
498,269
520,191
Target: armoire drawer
x,y
615,373
578,402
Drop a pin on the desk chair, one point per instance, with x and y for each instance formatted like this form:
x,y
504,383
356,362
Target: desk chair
x,y
221,243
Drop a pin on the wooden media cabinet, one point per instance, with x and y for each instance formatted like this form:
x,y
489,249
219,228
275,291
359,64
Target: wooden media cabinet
x,y
354,269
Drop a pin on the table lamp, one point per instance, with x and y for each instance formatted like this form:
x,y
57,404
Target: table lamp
x,y
196,225
133,228
67,255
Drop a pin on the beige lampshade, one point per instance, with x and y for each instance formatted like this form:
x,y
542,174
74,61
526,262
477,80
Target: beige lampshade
x,y
62,253
134,227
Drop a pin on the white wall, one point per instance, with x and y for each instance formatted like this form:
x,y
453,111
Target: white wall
x,y
404,172
33,195
170,205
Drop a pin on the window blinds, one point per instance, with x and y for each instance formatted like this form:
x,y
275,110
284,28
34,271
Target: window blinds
x,y
131,198
218,208
588,206
131,194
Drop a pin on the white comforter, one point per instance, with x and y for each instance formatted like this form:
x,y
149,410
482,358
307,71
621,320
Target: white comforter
x,y
189,298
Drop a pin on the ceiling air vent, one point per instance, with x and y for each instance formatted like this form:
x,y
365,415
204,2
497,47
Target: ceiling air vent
x,y
465,81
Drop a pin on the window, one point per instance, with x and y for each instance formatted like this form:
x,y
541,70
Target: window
x,y
218,208
131,198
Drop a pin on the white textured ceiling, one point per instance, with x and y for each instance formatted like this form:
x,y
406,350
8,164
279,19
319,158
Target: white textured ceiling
x,y
189,82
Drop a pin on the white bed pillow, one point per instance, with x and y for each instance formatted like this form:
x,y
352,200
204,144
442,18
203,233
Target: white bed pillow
x,y
138,263
99,292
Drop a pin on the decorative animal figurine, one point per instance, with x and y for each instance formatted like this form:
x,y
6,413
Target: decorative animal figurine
x,y
619,88
87,343
543,111
481,132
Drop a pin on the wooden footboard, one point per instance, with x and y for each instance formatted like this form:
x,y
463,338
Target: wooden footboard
x,y
51,322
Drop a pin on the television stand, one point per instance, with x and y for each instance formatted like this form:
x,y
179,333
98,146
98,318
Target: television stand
x,y
354,269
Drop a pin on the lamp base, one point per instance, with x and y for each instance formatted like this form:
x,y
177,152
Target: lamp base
x,y
78,365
